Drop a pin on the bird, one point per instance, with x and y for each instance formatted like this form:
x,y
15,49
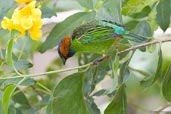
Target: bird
x,y
95,36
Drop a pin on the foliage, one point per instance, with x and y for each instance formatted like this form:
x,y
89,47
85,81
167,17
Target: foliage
x,y
141,73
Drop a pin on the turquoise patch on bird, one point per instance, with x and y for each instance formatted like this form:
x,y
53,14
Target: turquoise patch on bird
x,y
119,30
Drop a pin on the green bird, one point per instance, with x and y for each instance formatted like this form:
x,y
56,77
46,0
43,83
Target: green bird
x,y
96,36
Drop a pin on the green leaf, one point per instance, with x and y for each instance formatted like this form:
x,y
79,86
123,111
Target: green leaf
x,y
99,93
131,24
8,92
135,6
7,96
152,19
1,106
65,28
47,12
92,106
86,3
110,10
146,82
28,82
124,2
143,28
68,96
118,104
4,83
159,66
49,109
12,109
151,79
124,72
145,12
20,98
166,85
89,82
116,65
9,52
163,14
22,64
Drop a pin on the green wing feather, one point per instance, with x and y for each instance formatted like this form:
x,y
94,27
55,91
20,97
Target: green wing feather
x,y
92,32
120,30
99,30
93,38
97,36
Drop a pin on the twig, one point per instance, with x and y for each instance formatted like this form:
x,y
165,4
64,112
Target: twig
x,y
45,88
46,73
145,44
97,61
161,109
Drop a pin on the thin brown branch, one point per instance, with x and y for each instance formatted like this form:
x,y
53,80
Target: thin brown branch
x,y
145,44
161,110
97,61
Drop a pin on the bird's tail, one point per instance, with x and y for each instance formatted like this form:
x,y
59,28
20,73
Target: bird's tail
x,y
136,38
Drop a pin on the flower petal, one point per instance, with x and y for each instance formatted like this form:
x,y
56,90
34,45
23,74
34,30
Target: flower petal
x,y
23,0
25,18
36,13
35,34
26,23
7,23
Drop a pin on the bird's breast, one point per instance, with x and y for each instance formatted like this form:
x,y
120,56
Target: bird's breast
x,y
64,46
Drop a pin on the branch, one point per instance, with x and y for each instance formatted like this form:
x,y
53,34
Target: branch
x,y
46,73
58,71
145,44
161,110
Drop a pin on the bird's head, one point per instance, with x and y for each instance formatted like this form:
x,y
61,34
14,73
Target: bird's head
x,y
64,49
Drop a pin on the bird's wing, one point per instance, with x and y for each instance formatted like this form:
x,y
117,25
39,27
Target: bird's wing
x,y
94,34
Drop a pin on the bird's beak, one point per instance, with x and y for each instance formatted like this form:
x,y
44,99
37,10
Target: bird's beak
x,y
64,60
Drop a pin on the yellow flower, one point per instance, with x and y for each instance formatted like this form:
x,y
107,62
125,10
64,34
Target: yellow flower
x,y
35,33
26,23
28,18
23,0
7,23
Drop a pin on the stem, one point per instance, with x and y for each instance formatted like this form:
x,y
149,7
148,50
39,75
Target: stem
x,y
45,88
162,108
42,90
18,85
16,71
145,44
21,52
46,73
9,56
